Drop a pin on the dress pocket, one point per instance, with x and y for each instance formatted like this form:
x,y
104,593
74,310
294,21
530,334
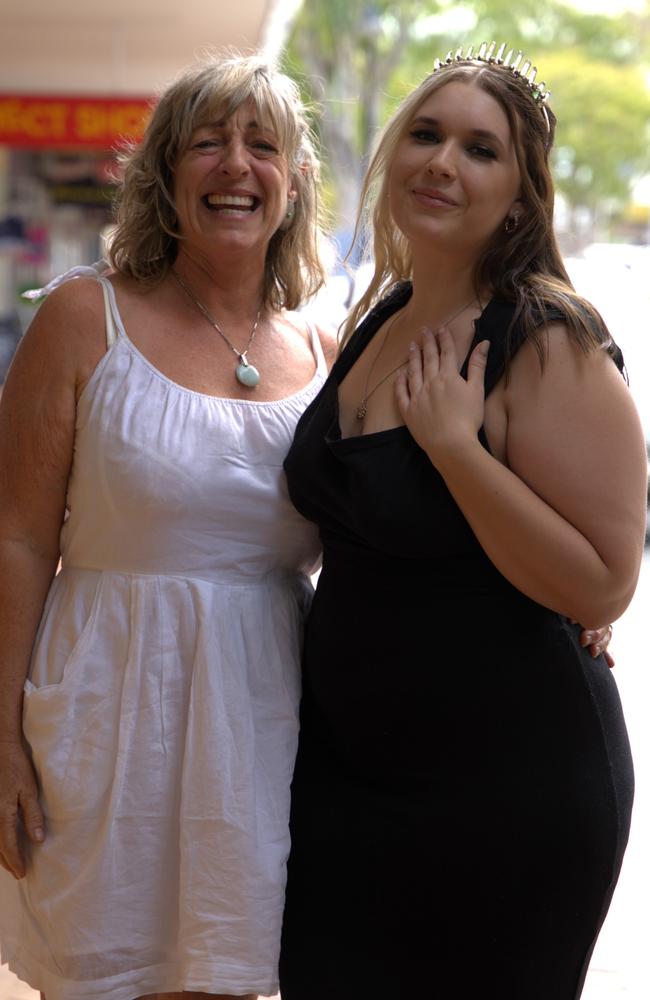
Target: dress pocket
x,y
67,718
65,632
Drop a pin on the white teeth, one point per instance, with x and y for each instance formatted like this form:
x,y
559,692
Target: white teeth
x,y
231,200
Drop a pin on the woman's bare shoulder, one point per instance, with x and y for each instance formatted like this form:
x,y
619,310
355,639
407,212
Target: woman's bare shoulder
x,y
326,334
329,342
68,331
565,363
71,305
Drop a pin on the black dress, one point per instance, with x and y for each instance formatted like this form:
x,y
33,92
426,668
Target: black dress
x,y
462,794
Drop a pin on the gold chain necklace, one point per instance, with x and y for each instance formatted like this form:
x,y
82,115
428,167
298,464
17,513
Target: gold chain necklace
x,y
362,408
245,372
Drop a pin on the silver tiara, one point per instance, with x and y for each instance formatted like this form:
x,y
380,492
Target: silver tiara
x,y
518,65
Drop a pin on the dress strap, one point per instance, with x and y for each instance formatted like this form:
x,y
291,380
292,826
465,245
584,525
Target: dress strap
x,y
81,271
114,326
111,332
317,348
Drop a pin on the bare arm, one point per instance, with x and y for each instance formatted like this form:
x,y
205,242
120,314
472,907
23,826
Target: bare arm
x,y
565,521
37,420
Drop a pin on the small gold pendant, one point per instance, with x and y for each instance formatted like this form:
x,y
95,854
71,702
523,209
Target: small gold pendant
x,y
361,412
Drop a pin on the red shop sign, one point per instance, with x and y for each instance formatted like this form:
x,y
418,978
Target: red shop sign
x,y
100,122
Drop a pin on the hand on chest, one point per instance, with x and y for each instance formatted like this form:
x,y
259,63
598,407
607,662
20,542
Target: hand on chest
x,y
367,401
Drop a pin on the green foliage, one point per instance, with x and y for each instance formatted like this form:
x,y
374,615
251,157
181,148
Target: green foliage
x,y
603,112
555,25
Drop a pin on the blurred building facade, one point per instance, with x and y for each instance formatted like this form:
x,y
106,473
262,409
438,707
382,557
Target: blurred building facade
x,y
75,81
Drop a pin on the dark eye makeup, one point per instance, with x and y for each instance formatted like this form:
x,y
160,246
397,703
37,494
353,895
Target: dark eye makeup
x,y
430,135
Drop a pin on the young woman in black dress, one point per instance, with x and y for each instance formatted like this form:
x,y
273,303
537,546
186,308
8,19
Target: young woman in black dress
x,y
462,798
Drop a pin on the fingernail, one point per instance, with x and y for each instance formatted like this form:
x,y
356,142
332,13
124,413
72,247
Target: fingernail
x,y
38,833
483,348
413,346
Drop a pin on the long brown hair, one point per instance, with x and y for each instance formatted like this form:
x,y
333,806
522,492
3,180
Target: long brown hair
x,y
522,265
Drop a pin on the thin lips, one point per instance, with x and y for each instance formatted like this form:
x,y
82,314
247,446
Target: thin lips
x,y
438,195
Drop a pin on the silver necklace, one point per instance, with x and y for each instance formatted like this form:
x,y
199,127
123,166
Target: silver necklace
x,y
362,408
245,372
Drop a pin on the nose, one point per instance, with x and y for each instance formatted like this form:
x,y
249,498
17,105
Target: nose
x,y
234,158
442,162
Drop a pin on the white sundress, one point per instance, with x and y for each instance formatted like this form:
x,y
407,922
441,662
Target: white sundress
x,y
162,700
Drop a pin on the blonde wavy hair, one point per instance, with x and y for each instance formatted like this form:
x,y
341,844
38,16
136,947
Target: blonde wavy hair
x,y
145,242
523,265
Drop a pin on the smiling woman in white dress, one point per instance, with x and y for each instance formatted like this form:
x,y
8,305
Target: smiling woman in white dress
x,y
150,688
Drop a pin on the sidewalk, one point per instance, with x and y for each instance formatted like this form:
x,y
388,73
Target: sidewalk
x,y
12,989
601,985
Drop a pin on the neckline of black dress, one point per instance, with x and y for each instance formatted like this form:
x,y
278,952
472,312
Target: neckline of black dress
x,y
360,340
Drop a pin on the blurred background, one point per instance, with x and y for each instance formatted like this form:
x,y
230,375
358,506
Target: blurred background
x,y
78,81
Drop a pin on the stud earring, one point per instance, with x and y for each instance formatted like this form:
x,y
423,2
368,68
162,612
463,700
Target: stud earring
x,y
288,215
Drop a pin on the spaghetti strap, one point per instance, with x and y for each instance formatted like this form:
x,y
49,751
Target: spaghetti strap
x,y
81,271
317,348
111,333
113,320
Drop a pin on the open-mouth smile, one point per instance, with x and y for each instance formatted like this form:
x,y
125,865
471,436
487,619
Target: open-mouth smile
x,y
231,204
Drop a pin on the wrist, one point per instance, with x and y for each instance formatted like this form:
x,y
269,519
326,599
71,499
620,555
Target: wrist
x,y
455,453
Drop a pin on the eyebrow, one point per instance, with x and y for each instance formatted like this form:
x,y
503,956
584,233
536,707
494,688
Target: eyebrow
x,y
480,133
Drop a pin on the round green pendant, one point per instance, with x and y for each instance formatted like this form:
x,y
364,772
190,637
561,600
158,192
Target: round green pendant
x,y
248,375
